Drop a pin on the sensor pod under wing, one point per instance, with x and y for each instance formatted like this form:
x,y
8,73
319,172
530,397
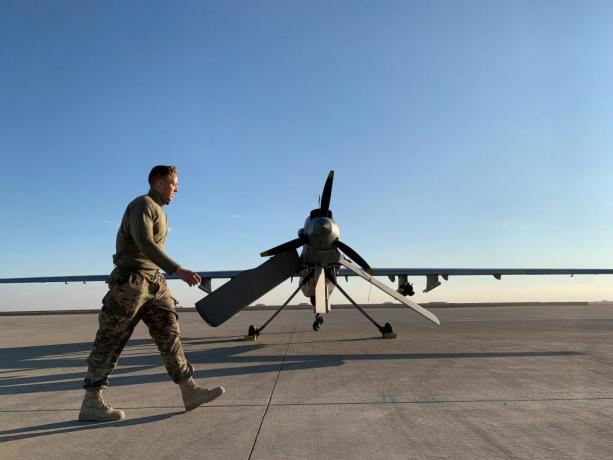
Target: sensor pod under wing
x,y
250,285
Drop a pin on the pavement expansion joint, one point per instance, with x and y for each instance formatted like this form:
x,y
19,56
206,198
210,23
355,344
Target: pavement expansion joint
x,y
449,401
289,342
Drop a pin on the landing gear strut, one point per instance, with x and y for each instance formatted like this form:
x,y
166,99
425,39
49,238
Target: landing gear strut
x,y
386,331
254,333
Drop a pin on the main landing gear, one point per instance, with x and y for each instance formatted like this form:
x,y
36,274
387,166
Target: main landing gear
x,y
386,331
254,333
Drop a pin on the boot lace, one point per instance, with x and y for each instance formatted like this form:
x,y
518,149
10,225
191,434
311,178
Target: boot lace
x,y
102,403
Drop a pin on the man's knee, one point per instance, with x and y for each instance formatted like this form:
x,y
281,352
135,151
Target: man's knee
x,y
163,327
167,338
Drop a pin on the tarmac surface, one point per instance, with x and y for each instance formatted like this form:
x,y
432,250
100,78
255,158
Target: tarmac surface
x,y
509,382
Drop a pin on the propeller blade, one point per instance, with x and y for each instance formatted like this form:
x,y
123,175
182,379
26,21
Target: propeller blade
x,y
293,244
247,287
327,193
354,256
375,282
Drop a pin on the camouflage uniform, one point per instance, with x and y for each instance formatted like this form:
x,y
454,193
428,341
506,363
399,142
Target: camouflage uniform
x,y
138,291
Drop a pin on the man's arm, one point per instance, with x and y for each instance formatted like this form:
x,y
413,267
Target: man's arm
x,y
190,277
141,229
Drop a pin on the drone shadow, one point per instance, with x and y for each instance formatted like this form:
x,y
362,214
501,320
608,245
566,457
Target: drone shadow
x,y
244,359
235,360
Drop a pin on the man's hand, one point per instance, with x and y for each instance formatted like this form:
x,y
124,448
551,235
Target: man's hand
x,y
190,277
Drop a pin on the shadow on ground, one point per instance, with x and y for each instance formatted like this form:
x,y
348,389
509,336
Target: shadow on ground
x,y
53,360
68,426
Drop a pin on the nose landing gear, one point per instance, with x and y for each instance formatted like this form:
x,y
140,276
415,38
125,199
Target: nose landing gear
x,y
319,320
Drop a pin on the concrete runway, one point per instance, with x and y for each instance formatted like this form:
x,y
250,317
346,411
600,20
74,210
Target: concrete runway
x,y
508,382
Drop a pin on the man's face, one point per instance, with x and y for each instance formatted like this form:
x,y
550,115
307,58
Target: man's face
x,y
167,187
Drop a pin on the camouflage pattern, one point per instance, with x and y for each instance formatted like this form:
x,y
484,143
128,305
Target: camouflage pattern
x,y
134,296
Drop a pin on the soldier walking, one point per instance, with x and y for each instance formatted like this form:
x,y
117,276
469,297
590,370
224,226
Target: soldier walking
x,y
138,291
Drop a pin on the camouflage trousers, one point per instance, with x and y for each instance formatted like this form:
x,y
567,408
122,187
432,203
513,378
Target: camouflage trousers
x,y
134,296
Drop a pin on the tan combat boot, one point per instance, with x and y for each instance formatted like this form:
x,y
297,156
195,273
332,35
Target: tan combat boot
x,y
194,395
96,410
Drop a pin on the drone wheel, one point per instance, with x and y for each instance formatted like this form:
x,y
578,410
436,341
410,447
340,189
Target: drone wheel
x,y
388,332
319,320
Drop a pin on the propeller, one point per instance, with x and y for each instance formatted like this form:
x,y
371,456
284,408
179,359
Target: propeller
x,y
327,194
293,244
305,235
227,300
357,258
375,282
324,211
323,251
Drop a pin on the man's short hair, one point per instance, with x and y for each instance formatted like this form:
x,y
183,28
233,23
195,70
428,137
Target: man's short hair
x,y
160,171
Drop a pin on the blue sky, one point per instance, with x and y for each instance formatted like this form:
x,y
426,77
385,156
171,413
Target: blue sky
x,y
463,134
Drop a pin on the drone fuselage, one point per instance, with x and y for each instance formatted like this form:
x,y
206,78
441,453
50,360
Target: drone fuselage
x,y
321,233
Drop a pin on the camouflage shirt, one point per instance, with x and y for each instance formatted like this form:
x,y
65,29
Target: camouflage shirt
x,y
142,235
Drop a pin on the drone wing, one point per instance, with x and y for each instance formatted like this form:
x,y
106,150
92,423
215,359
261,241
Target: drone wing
x,y
432,274
205,284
